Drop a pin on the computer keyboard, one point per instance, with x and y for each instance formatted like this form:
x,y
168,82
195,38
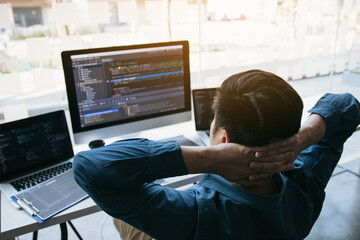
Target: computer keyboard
x,y
36,178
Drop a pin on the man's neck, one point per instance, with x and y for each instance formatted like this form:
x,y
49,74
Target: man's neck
x,y
269,187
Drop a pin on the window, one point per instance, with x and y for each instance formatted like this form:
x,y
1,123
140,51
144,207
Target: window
x,y
295,39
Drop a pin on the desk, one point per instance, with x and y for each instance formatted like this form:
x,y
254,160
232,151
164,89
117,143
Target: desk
x,y
20,223
14,222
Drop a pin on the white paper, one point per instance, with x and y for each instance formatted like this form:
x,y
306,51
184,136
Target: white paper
x,y
10,84
71,43
15,112
5,20
127,11
66,13
99,12
38,48
43,79
154,11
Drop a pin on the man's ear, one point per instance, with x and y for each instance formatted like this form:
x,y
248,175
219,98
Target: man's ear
x,y
225,137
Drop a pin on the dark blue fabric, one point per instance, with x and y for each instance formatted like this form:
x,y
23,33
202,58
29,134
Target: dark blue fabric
x,y
118,178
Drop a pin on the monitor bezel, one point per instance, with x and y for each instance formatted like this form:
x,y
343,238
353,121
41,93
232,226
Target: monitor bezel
x,y
71,90
60,117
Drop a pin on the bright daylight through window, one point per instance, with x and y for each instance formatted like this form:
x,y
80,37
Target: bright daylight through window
x,y
294,39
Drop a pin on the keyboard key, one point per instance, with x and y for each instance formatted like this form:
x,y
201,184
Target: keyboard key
x,y
36,178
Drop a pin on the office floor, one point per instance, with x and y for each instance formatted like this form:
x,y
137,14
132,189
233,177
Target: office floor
x,y
340,216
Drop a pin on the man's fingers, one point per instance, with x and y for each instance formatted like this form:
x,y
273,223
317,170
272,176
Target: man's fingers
x,y
282,157
275,148
273,163
287,167
273,152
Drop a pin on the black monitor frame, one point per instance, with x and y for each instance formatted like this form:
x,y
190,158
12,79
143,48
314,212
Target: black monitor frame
x,y
71,89
60,118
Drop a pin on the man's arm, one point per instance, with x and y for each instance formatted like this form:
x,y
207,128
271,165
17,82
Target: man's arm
x,y
238,162
334,118
118,177
320,140
341,113
311,131
235,162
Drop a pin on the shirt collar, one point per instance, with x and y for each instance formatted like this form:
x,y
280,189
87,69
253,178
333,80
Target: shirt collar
x,y
226,188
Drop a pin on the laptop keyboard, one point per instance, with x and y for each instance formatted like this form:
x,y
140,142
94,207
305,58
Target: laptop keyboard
x,y
36,178
207,132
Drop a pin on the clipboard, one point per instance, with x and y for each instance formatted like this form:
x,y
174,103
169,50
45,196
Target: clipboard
x,y
50,197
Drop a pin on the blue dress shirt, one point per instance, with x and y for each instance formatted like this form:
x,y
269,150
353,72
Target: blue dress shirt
x,y
119,177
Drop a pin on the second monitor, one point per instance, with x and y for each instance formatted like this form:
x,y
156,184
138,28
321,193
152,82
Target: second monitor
x,y
119,90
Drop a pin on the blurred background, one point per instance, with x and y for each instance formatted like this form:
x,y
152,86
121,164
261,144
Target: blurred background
x,y
312,44
317,40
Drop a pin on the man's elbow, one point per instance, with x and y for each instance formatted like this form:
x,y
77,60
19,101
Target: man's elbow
x,y
354,106
82,171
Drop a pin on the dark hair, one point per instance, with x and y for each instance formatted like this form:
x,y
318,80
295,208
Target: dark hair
x,y
255,107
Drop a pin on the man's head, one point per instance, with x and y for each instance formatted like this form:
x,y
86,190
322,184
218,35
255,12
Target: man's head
x,y
253,108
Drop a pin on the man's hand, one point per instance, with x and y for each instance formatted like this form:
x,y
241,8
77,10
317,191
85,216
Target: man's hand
x,y
281,154
275,157
249,166
259,162
238,163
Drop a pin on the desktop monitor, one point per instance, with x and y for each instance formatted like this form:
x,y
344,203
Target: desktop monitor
x,y
119,90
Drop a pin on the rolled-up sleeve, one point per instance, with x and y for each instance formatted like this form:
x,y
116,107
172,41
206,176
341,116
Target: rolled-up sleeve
x,y
119,176
341,113
129,163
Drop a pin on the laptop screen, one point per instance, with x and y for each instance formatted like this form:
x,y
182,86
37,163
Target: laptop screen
x,y
33,143
203,99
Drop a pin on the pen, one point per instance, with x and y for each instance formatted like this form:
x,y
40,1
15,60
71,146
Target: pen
x,y
25,207
30,204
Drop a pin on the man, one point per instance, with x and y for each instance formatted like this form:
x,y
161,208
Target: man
x,y
239,197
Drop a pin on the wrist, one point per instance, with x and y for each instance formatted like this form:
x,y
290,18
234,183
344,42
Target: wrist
x,y
197,159
311,131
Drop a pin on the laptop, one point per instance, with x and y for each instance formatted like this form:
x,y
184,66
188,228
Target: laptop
x,y
203,114
33,150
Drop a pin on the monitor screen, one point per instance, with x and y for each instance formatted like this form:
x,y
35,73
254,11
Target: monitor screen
x,y
142,86
203,100
32,143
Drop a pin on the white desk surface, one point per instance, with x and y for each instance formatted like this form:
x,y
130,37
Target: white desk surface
x,y
14,222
